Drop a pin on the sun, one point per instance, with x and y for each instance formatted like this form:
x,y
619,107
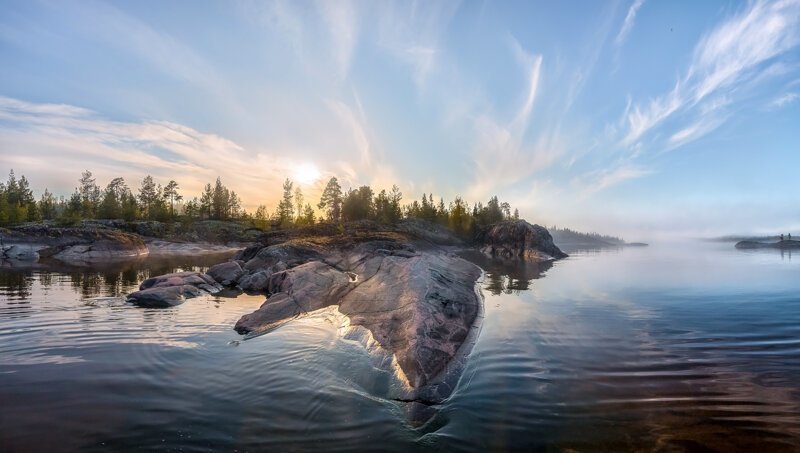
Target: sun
x,y
306,173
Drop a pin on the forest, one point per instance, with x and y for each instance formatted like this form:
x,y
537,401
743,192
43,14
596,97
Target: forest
x,y
165,203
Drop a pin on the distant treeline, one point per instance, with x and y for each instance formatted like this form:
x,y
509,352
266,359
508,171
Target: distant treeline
x,y
153,201
577,236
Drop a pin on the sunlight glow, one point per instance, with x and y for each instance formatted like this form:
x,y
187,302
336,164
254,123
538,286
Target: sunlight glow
x,y
306,173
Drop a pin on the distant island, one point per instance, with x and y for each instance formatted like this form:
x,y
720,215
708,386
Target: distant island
x,y
783,245
574,240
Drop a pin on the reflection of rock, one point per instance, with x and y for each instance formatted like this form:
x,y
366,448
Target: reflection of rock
x,y
173,289
518,239
507,276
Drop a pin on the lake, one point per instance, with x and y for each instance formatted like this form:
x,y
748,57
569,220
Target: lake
x,y
669,347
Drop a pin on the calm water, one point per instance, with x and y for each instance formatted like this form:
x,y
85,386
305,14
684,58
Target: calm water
x,y
669,347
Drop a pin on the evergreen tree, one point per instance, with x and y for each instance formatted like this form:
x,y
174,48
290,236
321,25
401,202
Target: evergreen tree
x,y
331,200
298,202
47,205
358,204
261,217
90,195
171,194
206,201
148,194
286,206
113,197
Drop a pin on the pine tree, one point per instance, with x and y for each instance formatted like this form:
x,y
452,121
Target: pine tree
x,y
171,194
286,207
90,195
331,200
298,202
148,194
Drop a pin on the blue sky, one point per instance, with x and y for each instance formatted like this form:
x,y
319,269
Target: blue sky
x,y
629,117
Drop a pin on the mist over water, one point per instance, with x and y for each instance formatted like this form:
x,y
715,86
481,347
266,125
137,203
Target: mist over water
x,y
683,345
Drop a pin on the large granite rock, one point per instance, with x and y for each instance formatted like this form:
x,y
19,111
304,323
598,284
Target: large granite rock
x,y
518,239
173,289
261,262
418,306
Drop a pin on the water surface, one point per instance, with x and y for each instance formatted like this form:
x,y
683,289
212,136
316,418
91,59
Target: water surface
x,y
668,347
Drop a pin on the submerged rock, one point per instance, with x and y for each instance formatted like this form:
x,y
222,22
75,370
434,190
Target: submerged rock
x,y
518,239
163,297
173,289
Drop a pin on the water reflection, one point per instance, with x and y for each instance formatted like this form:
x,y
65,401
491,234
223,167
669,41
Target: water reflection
x,y
671,348
110,279
681,347
507,276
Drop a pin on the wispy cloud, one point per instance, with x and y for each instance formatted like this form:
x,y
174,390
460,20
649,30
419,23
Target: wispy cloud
x,y
598,180
784,100
411,31
60,141
735,54
503,155
630,18
342,21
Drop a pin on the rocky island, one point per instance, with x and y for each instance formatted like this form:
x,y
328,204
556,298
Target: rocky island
x,y
404,287
407,291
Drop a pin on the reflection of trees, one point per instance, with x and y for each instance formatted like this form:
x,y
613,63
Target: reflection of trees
x,y
16,284
110,278
507,276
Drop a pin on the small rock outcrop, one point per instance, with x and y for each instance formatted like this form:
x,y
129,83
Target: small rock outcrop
x,y
226,274
173,289
518,239
19,252
76,244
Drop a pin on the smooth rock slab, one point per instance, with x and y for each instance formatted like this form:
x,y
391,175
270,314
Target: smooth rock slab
x,y
296,291
417,306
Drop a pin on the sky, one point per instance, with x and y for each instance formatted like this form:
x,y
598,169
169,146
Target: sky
x,y
637,118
